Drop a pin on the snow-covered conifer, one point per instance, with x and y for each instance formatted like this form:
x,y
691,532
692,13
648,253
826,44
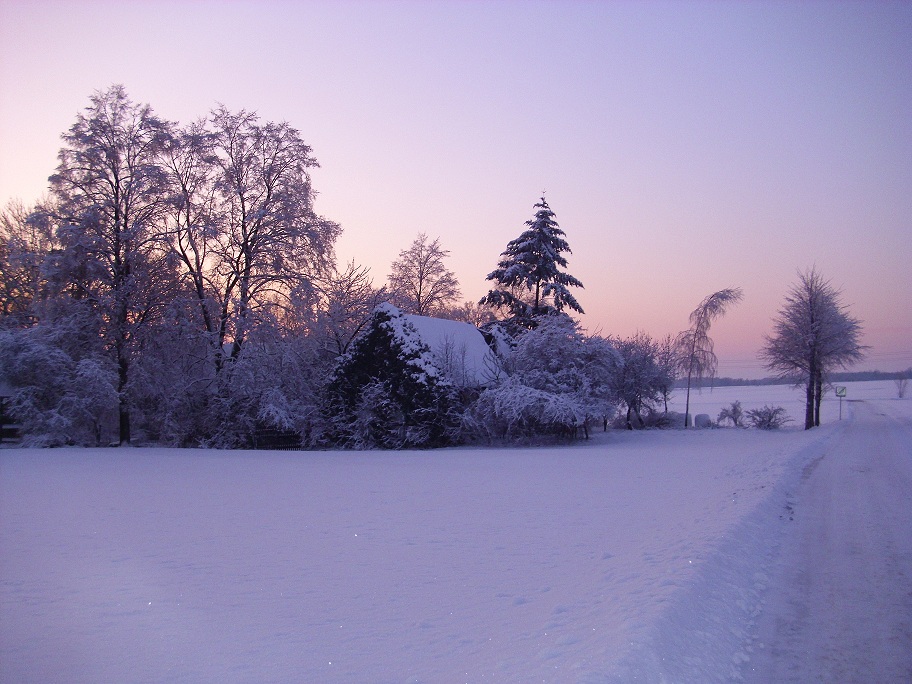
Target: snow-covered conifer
x,y
531,282
387,391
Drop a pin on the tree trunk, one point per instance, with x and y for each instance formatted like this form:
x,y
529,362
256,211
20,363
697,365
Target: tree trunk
x,y
687,404
818,397
123,367
809,406
690,366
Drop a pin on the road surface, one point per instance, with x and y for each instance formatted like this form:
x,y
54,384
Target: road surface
x,y
840,607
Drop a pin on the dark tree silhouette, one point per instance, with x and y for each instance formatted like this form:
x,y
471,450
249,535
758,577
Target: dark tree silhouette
x,y
813,334
529,272
419,282
695,347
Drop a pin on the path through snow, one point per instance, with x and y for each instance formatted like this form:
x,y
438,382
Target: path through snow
x,y
840,609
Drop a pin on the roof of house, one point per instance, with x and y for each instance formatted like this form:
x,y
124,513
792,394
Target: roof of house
x,y
459,349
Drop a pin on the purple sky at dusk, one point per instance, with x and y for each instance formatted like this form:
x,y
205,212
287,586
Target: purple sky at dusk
x,y
685,147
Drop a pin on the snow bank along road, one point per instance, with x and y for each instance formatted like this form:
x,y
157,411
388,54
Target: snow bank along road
x,y
646,557
841,609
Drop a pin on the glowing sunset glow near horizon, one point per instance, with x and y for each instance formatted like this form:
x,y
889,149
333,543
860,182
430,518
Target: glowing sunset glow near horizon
x,y
684,147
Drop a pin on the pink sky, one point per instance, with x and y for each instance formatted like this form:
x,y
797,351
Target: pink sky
x,y
685,147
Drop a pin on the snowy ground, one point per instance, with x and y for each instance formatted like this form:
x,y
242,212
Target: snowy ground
x,y
649,556
792,399
842,607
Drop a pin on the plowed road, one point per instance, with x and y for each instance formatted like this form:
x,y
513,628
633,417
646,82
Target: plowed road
x,y
840,609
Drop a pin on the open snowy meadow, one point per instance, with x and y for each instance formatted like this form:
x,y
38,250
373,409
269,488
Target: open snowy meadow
x,y
636,556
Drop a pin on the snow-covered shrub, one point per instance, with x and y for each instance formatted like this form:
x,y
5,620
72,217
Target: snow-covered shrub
x,y
641,378
91,402
652,418
57,399
171,384
269,394
557,381
655,418
733,414
183,395
386,392
42,426
514,410
768,417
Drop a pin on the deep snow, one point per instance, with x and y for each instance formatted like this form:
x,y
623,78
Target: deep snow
x,y
649,556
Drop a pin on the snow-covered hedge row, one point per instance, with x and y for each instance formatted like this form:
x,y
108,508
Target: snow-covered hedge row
x,y
390,390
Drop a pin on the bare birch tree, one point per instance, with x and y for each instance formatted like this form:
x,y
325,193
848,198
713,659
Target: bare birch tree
x,y
26,239
243,224
347,299
420,283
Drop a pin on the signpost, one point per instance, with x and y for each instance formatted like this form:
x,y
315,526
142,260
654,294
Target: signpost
x,y
840,392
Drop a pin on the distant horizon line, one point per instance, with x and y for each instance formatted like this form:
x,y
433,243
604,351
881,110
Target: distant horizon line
x,y
843,376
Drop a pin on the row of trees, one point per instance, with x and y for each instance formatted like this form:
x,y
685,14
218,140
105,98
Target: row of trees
x,y
178,281
814,333
161,253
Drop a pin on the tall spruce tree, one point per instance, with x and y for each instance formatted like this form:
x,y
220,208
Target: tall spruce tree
x,y
529,272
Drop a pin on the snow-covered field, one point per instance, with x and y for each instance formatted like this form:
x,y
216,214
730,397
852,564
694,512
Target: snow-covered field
x,y
642,556
792,399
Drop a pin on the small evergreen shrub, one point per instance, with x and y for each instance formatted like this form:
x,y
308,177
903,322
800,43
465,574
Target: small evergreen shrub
x,y
386,392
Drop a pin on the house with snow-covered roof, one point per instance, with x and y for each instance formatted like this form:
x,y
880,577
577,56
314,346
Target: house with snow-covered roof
x,y
403,379
459,350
